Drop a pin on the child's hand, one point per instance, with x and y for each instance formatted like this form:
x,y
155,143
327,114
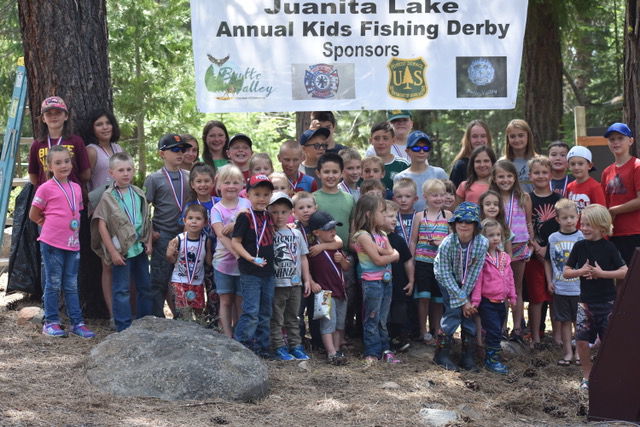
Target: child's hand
x,y
596,272
585,270
117,259
155,235
262,264
172,247
228,229
468,310
315,250
551,288
148,248
395,256
408,290
338,257
315,288
307,289
315,124
512,305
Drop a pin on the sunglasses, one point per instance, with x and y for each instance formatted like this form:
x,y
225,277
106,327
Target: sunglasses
x,y
467,222
177,149
318,146
418,148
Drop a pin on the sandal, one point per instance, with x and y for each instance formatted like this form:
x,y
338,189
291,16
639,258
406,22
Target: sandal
x,y
564,362
577,362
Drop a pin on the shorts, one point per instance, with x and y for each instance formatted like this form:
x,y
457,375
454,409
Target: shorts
x,y
520,251
564,308
425,283
592,320
535,282
188,295
226,283
626,246
336,317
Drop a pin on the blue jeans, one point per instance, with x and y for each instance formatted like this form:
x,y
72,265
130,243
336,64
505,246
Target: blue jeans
x,y
252,329
492,315
138,269
376,301
452,318
161,270
61,273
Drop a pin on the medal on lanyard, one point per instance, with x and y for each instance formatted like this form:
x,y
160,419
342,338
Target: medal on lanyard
x,y
345,188
74,224
564,187
191,273
105,151
466,253
406,234
295,183
180,201
257,259
304,234
134,213
335,267
510,210
49,141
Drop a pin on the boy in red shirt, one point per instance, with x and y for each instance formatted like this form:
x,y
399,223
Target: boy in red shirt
x,y
584,190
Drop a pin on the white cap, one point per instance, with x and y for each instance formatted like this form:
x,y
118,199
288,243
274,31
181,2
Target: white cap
x,y
580,151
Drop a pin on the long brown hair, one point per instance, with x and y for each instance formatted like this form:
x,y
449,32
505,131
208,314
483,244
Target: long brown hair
x,y
519,124
472,176
206,155
466,149
363,214
501,217
509,167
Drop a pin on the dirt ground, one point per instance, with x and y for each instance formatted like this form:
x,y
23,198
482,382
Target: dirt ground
x,y
43,382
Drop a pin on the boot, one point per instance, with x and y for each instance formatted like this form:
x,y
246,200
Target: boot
x,y
468,359
442,356
492,361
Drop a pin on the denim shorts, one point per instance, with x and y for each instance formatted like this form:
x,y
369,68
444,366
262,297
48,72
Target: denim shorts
x,y
337,316
226,283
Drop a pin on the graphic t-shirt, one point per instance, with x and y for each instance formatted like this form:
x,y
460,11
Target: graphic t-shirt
x,y
51,200
585,193
38,158
223,259
288,248
560,185
522,167
621,184
189,267
403,227
257,246
543,216
560,245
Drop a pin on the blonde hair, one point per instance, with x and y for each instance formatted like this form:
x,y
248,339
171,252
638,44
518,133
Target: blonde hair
x,y
566,204
405,183
302,195
598,216
371,184
257,157
349,154
392,206
373,159
290,144
229,171
279,176
433,185
519,124
539,160
490,222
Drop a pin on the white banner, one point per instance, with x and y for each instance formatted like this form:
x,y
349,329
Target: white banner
x,y
279,55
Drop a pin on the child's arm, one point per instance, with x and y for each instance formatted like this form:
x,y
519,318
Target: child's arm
x,y
528,216
36,215
209,252
344,262
476,293
508,247
116,257
409,269
512,296
223,237
415,226
319,247
306,275
598,273
548,272
149,244
369,246
570,273
630,206
236,244
172,251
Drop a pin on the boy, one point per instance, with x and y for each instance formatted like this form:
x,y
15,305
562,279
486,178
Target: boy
x,y
291,274
565,291
621,184
418,147
290,157
327,269
402,125
597,262
121,236
405,195
373,186
252,240
352,172
381,139
584,190
167,190
239,151
558,156
314,144
373,168
326,119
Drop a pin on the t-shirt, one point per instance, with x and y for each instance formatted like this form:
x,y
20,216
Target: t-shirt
x,y
288,248
608,258
51,200
398,150
369,270
398,273
475,191
391,169
355,192
167,197
560,185
560,245
100,172
189,267
621,184
459,171
340,205
404,224
303,182
543,216
38,158
420,178
245,228
585,193
311,171
522,167
336,149
327,273
208,205
130,202
223,259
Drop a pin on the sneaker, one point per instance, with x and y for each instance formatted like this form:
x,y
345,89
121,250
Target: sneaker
x,y
53,330
281,353
584,384
82,331
428,339
516,337
298,353
389,357
336,360
343,358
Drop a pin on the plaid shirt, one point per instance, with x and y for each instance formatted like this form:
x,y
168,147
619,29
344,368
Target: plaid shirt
x,y
448,267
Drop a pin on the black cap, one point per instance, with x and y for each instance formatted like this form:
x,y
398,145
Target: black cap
x,y
310,133
322,221
240,137
170,140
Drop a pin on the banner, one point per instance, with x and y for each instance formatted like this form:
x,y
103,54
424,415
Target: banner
x,y
278,55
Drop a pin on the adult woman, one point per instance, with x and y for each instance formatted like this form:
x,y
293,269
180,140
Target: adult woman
x,y
101,133
216,140
477,134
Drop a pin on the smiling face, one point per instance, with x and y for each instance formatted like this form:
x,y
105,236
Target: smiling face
x,y
194,222
230,187
579,167
405,197
482,165
259,197
215,142
290,160
590,232
103,129
60,165
381,141
478,137
202,184
619,144
449,200
435,199
304,208
518,140
504,180
191,153
122,173
540,175
329,174
280,213
240,153
558,158
352,171
490,206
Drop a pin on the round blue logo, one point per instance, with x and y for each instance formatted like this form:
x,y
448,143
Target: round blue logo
x,y
190,295
481,72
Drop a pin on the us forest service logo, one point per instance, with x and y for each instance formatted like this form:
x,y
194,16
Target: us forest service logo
x,y
407,78
321,81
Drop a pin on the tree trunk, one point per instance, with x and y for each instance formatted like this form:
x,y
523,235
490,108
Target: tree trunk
x,y
303,120
631,114
542,72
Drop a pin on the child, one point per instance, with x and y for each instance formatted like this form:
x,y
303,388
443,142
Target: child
x,y
519,149
621,184
291,274
405,196
373,168
189,251
480,164
327,270
215,139
192,152
381,139
450,194
225,266
290,157
101,135
240,152
418,147
314,144
121,236
373,187
476,135
252,240
597,262
260,164
167,191
457,265
491,207
517,205
584,190
352,172
326,119
432,227
494,287
558,151
565,291
280,183
402,125
375,256
56,208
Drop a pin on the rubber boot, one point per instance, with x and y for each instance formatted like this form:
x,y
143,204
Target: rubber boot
x,y
442,356
468,359
492,361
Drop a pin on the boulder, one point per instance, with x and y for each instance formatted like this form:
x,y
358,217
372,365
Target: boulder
x,y
175,360
30,314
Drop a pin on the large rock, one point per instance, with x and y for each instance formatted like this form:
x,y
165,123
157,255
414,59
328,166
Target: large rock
x,y
175,360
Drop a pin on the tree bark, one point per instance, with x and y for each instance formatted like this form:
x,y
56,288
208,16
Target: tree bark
x,y
303,120
542,72
631,112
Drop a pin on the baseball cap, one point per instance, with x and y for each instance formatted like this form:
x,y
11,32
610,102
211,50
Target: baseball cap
x,y
417,136
398,114
53,102
279,195
620,128
259,180
310,133
322,221
239,137
466,212
170,140
580,151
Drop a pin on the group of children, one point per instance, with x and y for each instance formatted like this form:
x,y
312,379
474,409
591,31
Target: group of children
x,y
385,237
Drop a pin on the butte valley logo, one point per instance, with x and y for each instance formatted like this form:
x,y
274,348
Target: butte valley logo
x,y
228,80
321,81
407,78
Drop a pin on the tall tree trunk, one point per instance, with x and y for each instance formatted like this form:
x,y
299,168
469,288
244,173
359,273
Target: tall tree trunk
x,y
303,120
542,72
631,114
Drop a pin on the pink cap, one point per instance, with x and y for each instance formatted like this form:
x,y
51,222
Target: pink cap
x,y
53,102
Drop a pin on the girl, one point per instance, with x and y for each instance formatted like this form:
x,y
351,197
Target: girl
x,y
449,195
519,149
281,183
476,135
225,266
432,228
190,156
480,164
216,141
260,164
491,208
494,286
101,133
517,205
239,151
56,208
375,255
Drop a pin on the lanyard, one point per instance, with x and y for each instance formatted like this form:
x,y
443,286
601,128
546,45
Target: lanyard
x,y
255,227
295,183
134,213
49,141
435,225
335,267
191,274
180,201
510,210
406,234
344,187
105,151
304,234
564,187
70,201
465,254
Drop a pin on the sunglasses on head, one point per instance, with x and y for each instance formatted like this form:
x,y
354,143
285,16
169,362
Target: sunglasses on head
x,y
418,148
176,149
318,146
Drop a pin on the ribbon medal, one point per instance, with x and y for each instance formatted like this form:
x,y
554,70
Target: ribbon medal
x,y
74,224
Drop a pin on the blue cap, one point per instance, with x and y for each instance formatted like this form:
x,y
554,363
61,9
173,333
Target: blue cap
x,y
466,211
310,133
620,128
417,136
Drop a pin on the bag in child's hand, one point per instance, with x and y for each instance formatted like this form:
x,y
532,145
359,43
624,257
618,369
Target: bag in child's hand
x,y
322,305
